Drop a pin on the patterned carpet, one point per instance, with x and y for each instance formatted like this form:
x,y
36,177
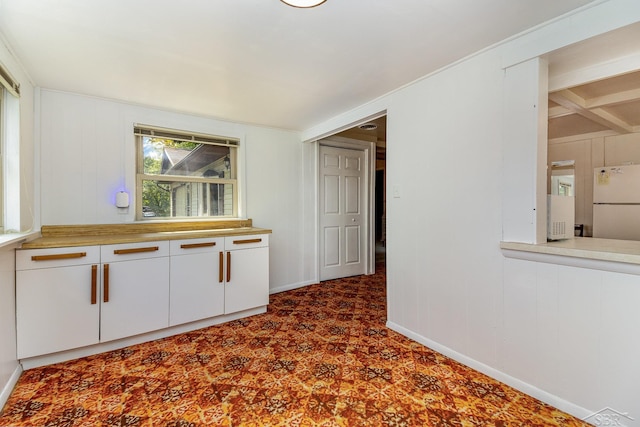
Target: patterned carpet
x,y
320,356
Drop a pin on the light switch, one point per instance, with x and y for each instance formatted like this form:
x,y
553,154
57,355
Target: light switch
x,y
396,191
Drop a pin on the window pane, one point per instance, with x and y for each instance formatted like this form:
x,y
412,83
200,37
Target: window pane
x,y
186,199
171,157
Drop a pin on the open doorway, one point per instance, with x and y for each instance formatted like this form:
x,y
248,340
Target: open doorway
x,y
376,131
593,121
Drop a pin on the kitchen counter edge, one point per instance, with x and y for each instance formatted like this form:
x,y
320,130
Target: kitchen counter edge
x,y
92,240
586,252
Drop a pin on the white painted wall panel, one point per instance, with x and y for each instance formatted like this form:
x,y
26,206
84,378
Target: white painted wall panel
x,y
547,333
619,346
520,348
574,332
274,200
88,154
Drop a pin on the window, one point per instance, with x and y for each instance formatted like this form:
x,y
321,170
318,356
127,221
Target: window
x,y
182,174
9,153
2,149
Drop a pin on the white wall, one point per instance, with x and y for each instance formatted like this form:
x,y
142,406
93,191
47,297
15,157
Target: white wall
x,y
573,333
449,285
88,153
8,363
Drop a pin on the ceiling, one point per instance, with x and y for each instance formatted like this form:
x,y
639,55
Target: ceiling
x,y
607,99
603,107
254,61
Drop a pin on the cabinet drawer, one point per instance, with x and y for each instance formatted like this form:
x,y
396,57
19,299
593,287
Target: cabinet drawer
x,y
31,259
129,251
197,246
246,242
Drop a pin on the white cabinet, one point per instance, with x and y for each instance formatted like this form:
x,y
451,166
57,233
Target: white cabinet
x,y
246,272
74,297
197,286
57,299
210,277
135,294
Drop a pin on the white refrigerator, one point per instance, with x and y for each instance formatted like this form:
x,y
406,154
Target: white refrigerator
x,y
616,202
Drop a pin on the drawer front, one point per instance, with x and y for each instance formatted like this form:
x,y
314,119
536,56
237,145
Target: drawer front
x,y
130,251
246,242
31,259
197,246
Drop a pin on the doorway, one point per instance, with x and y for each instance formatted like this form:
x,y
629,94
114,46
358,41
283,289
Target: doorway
x,y
343,212
372,135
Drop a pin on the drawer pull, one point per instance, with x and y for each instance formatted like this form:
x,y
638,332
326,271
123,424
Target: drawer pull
x,y
244,242
135,250
105,287
94,284
221,268
228,267
58,256
197,245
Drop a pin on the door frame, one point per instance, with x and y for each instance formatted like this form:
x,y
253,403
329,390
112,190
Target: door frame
x,y
369,149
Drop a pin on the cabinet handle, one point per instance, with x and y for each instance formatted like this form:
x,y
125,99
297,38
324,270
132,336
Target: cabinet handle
x,y
228,267
135,250
221,268
58,256
94,284
245,241
197,245
105,290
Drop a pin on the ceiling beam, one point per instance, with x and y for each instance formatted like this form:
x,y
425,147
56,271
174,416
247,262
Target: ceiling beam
x,y
578,105
559,111
614,99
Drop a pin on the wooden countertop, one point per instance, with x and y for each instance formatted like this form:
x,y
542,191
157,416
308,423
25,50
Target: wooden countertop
x,y
59,236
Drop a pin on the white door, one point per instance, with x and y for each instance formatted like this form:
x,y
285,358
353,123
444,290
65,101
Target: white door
x,y
52,302
247,275
135,297
195,288
342,212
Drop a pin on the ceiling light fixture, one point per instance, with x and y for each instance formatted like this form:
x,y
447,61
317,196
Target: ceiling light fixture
x,y
303,3
368,126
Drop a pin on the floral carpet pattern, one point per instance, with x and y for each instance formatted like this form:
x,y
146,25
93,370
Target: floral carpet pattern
x,y
320,356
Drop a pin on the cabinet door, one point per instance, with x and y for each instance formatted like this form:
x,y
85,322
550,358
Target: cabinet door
x,y
135,297
247,279
196,290
54,309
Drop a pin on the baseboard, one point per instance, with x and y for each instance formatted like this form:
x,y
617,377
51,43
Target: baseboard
x,y
9,386
553,400
292,286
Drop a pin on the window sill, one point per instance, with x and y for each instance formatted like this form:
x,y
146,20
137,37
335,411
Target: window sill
x,y
17,238
621,256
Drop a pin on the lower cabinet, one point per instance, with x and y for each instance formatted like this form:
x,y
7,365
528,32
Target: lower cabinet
x,y
246,272
68,298
197,291
57,299
210,277
135,289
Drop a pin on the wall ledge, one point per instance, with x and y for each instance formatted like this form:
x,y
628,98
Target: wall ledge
x,y
619,256
17,238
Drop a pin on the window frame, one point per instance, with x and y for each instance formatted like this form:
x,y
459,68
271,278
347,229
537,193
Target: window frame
x,y
142,131
3,148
